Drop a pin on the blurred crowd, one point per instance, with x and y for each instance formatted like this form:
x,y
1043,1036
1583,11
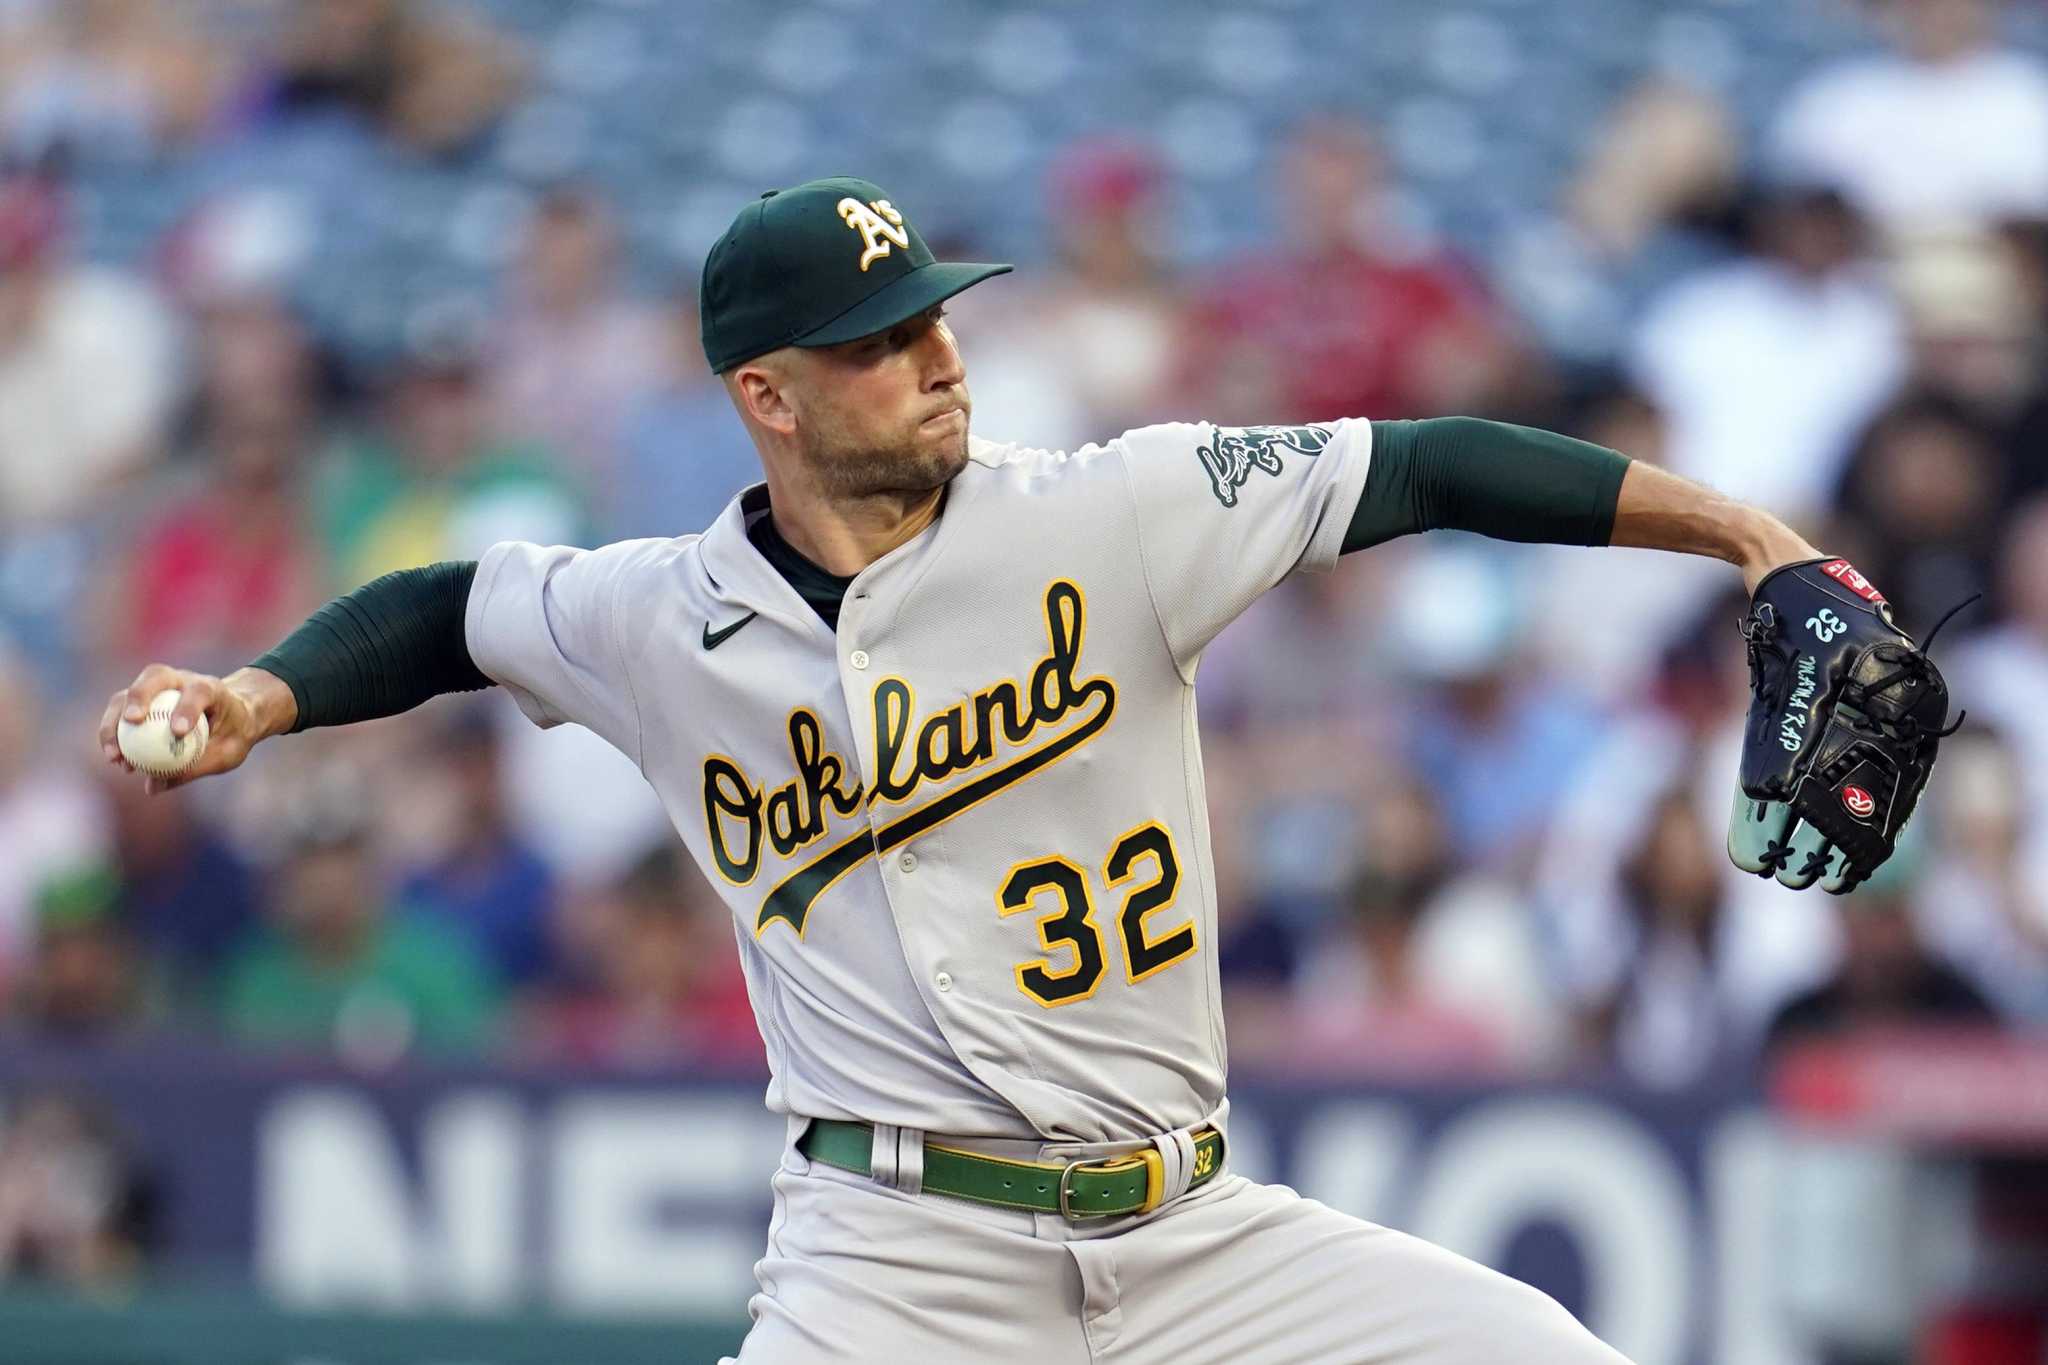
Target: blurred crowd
x,y
1468,798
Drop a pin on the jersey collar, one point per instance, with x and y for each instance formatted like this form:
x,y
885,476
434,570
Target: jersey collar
x,y
742,578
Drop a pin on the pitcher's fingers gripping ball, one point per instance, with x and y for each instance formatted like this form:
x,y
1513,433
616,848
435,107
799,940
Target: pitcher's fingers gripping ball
x,y
1845,715
149,744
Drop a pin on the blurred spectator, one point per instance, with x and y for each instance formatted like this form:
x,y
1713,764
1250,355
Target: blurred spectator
x,y
258,365
1427,970
669,986
1090,350
1886,979
100,78
1497,744
1298,706
77,1208
2001,674
1309,655
186,895
1652,199
1976,332
2028,435
434,483
1669,1022
243,250
684,454
1348,318
1982,905
1262,930
51,819
88,373
484,883
1668,156
1767,368
338,970
229,564
1258,951
1258,942
1684,732
572,353
1924,497
1951,125
584,805
433,78
84,984
1600,619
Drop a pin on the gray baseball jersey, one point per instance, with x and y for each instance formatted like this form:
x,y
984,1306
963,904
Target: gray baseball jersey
x,y
964,839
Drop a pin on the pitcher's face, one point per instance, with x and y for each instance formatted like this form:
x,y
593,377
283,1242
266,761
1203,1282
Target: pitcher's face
x,y
886,413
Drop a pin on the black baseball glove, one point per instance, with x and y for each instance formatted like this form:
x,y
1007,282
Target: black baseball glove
x,y
1845,714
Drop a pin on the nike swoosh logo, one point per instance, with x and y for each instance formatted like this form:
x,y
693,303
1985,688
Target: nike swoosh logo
x,y
714,638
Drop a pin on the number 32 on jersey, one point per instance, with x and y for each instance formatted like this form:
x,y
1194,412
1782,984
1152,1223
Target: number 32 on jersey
x,y
1143,860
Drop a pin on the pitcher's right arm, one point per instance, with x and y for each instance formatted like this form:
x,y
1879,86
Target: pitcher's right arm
x,y
384,648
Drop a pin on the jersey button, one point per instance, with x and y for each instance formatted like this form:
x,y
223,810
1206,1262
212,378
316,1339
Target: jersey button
x,y
943,981
908,862
859,658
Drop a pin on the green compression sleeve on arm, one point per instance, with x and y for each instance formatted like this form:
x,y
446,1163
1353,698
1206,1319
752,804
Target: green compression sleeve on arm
x,y
385,648
1508,482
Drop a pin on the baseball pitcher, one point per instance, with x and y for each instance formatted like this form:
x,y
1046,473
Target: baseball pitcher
x,y
921,704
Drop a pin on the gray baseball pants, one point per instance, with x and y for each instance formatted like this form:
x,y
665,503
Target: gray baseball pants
x,y
857,1270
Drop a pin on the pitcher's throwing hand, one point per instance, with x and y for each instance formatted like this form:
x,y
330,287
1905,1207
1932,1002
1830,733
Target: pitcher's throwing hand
x,y
246,707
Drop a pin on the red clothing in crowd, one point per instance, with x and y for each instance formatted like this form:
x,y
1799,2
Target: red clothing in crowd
x,y
212,581
1351,334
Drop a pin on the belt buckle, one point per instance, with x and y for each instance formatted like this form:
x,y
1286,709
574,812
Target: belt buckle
x,y
1155,1184
1067,1209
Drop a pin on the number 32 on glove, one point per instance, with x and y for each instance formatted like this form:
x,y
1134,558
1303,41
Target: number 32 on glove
x,y
1845,714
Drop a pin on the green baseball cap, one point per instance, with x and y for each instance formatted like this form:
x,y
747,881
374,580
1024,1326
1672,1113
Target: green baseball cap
x,y
828,261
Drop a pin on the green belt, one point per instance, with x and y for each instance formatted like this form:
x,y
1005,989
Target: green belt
x,y
1075,1189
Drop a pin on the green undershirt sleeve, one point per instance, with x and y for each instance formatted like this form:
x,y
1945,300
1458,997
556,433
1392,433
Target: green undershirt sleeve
x,y
1508,482
385,648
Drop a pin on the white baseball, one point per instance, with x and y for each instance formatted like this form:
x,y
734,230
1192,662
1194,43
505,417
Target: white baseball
x,y
151,747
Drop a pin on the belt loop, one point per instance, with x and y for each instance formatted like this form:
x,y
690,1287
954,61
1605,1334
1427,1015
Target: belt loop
x,y
1177,1159
910,1160
882,1167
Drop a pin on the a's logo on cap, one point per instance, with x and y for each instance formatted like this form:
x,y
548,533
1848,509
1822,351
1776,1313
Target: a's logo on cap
x,y
878,224
1860,802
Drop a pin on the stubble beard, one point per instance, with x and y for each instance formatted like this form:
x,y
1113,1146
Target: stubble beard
x,y
865,471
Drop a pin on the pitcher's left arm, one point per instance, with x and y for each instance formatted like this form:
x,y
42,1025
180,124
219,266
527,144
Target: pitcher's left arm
x,y
1519,483
1846,710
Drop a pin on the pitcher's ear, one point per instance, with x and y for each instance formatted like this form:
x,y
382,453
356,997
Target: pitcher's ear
x,y
760,389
